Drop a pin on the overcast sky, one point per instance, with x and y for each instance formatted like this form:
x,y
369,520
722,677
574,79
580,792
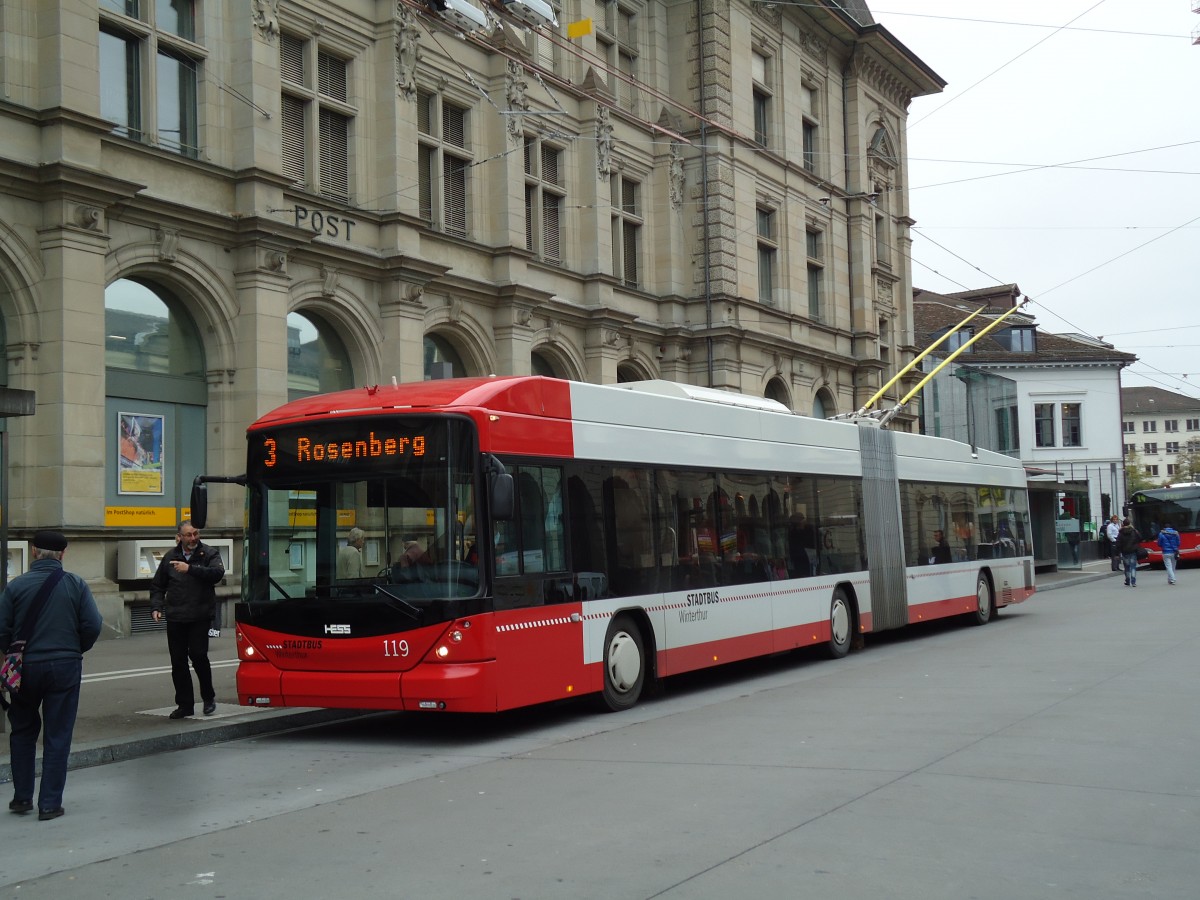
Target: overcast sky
x,y
1065,159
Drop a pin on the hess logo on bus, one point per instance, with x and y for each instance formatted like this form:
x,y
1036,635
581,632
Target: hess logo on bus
x,y
337,629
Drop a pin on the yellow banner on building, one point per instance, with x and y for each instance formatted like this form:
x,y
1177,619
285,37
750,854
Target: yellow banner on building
x,y
579,29
142,517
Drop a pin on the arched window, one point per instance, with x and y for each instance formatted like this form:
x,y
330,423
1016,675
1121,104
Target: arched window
x,y
156,399
317,359
823,406
147,329
778,392
441,359
540,364
627,373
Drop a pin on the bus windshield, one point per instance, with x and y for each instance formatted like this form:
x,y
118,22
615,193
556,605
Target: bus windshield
x,y
1152,509
364,511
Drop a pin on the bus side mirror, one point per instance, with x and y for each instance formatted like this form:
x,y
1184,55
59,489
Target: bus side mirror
x,y
502,497
199,503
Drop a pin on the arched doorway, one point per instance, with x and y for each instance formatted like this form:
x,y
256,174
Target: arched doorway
x,y
156,399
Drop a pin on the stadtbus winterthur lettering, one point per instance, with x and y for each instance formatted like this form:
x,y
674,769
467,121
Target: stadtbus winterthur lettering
x,y
309,451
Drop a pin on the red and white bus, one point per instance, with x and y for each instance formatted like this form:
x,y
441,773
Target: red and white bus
x,y
527,539
1179,505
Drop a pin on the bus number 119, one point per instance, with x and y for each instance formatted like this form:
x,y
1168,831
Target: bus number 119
x,y
394,647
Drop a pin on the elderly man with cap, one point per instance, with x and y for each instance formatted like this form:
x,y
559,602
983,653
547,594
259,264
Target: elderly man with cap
x,y
65,625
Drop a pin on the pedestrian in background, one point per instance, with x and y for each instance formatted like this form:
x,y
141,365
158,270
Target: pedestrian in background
x,y
349,558
1168,543
1128,541
65,625
1111,531
184,590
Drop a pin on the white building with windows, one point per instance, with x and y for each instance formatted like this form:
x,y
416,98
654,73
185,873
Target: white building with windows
x,y
211,206
1160,426
1063,414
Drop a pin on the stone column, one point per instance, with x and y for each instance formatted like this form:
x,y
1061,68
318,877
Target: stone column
x,y
66,446
402,314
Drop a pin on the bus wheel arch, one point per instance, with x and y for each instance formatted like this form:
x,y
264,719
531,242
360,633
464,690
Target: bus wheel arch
x,y
843,621
985,599
628,661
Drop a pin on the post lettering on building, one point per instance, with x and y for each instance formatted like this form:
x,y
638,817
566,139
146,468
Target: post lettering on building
x,y
324,222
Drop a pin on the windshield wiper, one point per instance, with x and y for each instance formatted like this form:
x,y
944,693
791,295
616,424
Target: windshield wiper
x,y
400,603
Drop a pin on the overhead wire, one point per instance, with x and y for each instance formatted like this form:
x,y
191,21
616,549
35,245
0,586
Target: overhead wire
x,y
973,85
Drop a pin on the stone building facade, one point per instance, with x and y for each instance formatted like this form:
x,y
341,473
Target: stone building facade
x,y
211,206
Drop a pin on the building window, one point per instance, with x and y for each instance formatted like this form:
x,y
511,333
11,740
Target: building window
x,y
443,163
545,198
1151,470
1043,424
885,343
814,246
1172,447
1127,427
1017,339
315,117
1149,426
1172,469
626,202
149,72
1171,425
959,339
883,241
1193,424
545,47
761,74
617,45
1072,431
1150,448
768,247
1130,449
810,125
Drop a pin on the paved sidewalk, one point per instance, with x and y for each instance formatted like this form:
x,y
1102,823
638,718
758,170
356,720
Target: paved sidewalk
x,y
127,695
1091,571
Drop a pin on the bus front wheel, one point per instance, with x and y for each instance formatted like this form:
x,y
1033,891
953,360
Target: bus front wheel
x,y
985,605
624,664
841,625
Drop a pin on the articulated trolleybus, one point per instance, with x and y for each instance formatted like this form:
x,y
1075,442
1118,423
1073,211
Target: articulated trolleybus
x,y
475,545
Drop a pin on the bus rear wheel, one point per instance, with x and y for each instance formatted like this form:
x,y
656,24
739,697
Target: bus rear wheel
x,y
624,664
985,604
841,625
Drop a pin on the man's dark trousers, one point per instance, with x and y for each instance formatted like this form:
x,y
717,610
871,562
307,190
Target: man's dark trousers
x,y
189,641
53,686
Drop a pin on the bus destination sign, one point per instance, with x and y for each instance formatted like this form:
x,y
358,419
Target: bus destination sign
x,y
338,448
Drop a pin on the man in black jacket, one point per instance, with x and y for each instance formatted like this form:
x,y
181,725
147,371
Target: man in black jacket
x,y
66,627
184,589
